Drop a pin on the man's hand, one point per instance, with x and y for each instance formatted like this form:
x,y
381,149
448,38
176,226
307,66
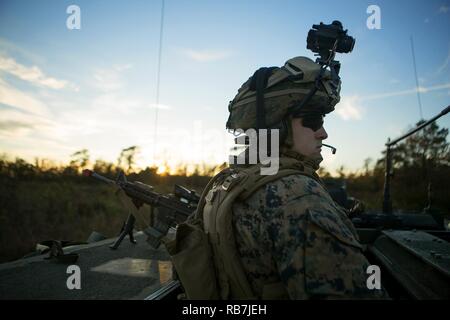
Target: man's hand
x,y
356,209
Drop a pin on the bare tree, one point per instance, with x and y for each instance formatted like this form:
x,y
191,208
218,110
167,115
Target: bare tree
x,y
127,157
80,158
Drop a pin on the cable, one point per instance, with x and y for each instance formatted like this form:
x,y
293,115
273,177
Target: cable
x,y
155,132
417,81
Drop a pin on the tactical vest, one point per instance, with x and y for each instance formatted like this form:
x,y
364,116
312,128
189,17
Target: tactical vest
x,y
204,251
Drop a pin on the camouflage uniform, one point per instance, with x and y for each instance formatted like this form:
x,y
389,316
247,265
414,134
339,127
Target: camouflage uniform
x,y
288,238
292,231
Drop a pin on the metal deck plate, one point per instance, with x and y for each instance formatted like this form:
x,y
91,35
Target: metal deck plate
x,y
130,272
429,248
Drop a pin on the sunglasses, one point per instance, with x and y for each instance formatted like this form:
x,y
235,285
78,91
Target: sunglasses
x,y
313,122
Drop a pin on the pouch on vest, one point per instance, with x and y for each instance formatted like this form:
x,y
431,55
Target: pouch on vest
x,y
192,258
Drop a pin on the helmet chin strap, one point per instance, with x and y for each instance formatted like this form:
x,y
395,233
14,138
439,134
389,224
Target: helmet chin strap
x,y
335,68
324,63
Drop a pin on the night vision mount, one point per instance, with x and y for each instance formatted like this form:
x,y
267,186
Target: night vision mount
x,y
326,40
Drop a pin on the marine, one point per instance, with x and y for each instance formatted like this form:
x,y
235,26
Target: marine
x,y
280,235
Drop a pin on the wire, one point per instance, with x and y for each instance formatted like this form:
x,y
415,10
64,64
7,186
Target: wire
x,y
155,132
417,81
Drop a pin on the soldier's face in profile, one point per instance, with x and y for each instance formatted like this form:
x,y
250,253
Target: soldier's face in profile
x,y
308,134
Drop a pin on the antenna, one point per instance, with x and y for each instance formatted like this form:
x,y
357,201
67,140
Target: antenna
x,y
417,81
155,132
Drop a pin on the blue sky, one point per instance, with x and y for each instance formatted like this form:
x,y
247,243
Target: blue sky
x,y
64,90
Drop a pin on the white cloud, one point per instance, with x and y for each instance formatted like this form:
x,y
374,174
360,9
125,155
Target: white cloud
x,y
443,9
13,128
7,46
445,64
406,92
349,108
206,55
15,124
160,106
18,99
114,103
122,67
394,81
109,80
32,74
426,20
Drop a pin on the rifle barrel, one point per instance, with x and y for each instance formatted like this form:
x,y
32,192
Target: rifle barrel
x,y
90,173
149,197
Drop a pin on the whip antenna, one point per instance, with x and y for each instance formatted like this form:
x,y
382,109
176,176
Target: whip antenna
x,y
417,81
155,132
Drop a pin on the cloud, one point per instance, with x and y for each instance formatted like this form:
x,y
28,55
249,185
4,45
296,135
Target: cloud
x,y
17,124
160,106
426,20
32,74
122,67
109,80
9,126
394,81
406,92
349,108
443,9
113,103
445,64
18,99
119,104
206,55
7,46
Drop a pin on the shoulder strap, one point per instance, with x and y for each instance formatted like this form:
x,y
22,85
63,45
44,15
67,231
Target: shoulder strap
x,y
198,213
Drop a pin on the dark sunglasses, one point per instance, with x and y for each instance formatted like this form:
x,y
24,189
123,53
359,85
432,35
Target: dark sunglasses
x,y
313,122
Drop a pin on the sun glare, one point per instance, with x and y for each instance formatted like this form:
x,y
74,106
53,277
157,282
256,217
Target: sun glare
x,y
162,170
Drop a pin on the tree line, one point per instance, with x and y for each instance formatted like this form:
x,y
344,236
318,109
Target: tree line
x,y
43,200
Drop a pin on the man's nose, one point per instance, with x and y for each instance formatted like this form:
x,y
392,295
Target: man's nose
x,y
321,134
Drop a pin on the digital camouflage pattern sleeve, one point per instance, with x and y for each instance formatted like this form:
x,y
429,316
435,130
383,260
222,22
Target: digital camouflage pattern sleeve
x,y
292,231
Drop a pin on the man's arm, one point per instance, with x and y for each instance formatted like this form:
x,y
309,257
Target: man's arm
x,y
315,246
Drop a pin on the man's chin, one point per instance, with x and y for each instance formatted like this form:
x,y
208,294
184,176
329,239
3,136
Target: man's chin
x,y
317,156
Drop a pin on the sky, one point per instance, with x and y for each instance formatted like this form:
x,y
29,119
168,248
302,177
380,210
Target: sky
x,y
96,88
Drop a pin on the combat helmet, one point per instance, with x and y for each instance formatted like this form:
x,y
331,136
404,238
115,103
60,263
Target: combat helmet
x,y
300,87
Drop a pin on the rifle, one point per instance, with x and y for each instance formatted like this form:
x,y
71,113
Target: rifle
x,y
172,209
